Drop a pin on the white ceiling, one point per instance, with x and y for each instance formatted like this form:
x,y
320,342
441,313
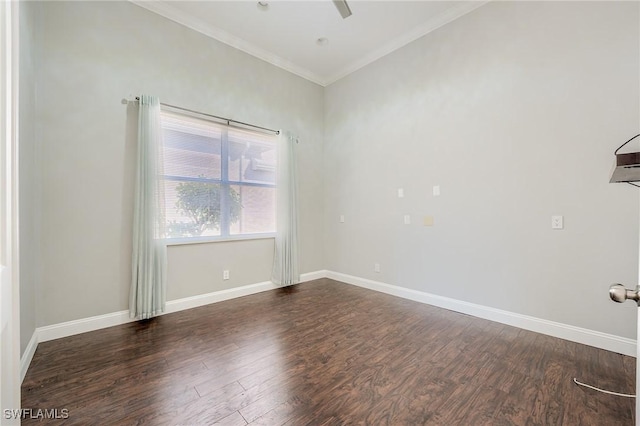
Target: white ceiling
x,y
286,33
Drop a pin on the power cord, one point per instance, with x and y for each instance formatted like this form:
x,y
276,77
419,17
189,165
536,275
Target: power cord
x,y
626,395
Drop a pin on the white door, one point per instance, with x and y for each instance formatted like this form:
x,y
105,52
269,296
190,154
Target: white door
x,y
9,286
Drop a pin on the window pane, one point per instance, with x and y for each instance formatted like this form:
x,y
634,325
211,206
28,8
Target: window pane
x,y
258,212
208,195
191,147
192,209
252,157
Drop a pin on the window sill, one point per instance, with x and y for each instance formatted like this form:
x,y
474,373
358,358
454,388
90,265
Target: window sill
x,y
208,240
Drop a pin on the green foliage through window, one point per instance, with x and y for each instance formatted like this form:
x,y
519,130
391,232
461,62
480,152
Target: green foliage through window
x,y
219,181
202,202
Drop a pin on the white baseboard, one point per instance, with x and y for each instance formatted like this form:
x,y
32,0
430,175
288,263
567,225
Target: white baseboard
x,y
70,328
585,336
232,293
313,276
576,334
27,356
217,296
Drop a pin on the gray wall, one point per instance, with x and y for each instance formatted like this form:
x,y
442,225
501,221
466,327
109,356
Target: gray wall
x,y
515,111
29,176
94,54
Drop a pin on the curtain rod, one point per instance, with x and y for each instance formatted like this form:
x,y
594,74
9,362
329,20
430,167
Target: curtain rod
x,y
228,120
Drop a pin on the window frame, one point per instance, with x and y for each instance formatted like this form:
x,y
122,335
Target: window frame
x,y
225,182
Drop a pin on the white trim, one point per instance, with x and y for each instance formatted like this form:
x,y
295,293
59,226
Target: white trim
x,y
27,356
568,332
165,9
83,325
232,293
196,24
310,276
9,215
70,328
206,240
433,24
585,336
218,296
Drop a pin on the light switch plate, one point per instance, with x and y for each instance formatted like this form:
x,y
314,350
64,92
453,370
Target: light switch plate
x,y
407,219
436,190
400,192
341,218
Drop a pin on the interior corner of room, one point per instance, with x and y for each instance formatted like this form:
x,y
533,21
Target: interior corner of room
x,y
468,169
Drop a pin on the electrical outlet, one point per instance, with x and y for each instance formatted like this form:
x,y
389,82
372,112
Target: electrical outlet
x,y
225,274
376,267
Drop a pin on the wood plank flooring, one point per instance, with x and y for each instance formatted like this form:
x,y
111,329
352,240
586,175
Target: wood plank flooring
x,y
325,353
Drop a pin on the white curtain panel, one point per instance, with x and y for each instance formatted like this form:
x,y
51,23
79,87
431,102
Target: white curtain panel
x,y
285,261
148,284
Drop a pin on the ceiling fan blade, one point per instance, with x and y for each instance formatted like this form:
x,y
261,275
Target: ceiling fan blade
x,y
343,8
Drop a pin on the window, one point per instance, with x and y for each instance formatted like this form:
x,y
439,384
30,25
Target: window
x,y
218,181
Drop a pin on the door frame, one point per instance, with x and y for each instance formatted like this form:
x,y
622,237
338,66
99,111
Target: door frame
x,y
9,270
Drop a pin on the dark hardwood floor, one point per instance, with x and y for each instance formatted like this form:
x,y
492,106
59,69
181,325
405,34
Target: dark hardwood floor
x,y
325,353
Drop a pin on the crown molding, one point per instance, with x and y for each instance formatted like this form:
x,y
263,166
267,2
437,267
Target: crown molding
x,y
164,9
431,25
